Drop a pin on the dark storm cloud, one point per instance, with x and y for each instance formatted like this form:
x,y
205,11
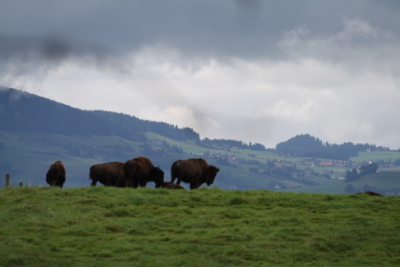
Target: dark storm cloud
x,y
199,29
35,55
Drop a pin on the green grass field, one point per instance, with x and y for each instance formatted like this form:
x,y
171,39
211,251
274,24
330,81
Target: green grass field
x,y
42,226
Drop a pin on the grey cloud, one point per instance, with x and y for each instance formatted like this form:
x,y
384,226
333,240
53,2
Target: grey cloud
x,y
199,29
35,55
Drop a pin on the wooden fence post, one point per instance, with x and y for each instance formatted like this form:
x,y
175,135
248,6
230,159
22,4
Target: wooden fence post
x,y
7,180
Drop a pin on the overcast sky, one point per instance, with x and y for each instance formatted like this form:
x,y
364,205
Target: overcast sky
x,y
250,70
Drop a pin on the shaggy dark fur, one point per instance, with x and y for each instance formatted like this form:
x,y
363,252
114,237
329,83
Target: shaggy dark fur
x,y
55,176
193,171
109,174
140,171
169,185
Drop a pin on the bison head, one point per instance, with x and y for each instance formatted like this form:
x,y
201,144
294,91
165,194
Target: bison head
x,y
211,173
157,176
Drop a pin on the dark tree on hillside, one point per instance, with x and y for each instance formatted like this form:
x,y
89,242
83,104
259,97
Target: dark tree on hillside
x,y
228,144
253,170
270,164
368,169
351,175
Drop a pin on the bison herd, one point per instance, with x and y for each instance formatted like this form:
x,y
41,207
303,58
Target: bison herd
x,y
139,171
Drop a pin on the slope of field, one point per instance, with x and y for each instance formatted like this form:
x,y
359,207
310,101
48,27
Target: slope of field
x,y
206,227
385,180
376,155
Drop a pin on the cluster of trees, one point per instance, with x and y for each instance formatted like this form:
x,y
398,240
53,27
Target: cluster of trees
x,y
292,173
228,144
223,161
136,125
364,170
306,145
166,148
386,163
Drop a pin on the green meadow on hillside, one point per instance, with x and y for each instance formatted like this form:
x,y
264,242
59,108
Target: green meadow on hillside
x,y
383,180
376,155
102,226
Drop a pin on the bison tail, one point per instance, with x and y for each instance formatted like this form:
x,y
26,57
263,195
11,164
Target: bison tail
x,y
90,173
173,171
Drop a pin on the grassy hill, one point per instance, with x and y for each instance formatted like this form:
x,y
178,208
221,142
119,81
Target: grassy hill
x,y
101,226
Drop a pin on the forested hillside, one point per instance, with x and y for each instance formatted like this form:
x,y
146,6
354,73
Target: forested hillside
x,y
306,145
21,111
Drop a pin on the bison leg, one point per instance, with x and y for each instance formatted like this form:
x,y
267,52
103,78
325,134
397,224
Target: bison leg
x,y
193,185
179,180
143,183
128,183
135,184
93,183
172,179
120,183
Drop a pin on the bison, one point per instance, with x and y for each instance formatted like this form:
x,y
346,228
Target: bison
x,y
109,174
55,176
193,171
169,185
140,170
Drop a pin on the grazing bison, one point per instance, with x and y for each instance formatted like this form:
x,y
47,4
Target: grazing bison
x,y
193,171
109,174
169,185
140,170
55,176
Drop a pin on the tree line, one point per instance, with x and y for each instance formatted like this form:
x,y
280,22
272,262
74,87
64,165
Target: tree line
x,y
364,170
228,144
306,145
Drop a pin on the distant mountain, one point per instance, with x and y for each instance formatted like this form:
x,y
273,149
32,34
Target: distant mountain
x,y
22,111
